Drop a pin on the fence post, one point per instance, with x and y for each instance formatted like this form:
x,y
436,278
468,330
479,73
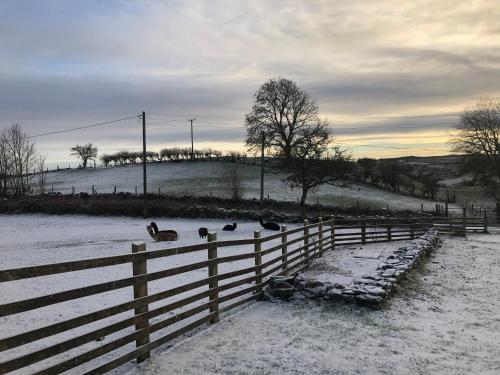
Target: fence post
x,y
389,234
363,231
139,267
72,190
258,262
306,239
114,190
465,221
213,284
485,224
332,233
412,230
320,236
284,249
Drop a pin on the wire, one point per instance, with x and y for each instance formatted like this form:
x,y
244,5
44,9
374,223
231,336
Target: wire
x,y
84,127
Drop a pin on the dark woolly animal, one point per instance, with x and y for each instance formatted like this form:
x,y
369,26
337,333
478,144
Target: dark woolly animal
x,y
203,232
161,235
230,227
269,225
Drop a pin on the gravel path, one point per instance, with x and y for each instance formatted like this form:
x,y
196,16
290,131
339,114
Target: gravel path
x,y
445,320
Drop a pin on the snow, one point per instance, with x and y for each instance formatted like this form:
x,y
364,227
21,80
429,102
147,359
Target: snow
x,y
29,240
349,262
203,178
442,321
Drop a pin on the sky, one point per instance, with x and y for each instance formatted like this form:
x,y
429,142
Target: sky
x,y
390,77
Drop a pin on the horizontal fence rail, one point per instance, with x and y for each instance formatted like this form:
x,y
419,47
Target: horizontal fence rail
x,y
232,273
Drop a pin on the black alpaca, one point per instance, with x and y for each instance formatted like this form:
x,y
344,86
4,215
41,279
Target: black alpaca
x,y
155,227
203,232
230,227
269,225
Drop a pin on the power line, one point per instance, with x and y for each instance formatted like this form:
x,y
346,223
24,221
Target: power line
x,y
84,127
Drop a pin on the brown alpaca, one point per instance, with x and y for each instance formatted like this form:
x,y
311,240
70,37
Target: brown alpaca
x,y
161,235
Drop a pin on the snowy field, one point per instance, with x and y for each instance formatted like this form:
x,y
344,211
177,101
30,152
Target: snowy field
x,y
203,178
29,240
443,321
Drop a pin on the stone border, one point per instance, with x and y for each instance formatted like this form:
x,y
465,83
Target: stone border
x,y
367,290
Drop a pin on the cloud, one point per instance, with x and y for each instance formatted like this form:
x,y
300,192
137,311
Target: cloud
x,y
64,64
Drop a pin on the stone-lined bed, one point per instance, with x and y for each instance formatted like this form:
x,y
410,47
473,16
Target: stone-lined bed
x,y
372,287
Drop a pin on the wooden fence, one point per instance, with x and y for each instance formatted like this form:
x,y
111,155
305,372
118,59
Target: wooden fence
x,y
455,224
286,252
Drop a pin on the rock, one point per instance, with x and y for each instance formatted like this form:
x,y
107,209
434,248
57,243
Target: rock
x,y
316,292
339,286
364,281
313,283
300,286
298,278
280,285
377,291
352,291
389,272
369,299
280,281
284,293
267,294
334,294
348,297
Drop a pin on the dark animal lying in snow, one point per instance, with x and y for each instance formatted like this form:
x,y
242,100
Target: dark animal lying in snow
x,y
161,235
230,227
269,225
203,232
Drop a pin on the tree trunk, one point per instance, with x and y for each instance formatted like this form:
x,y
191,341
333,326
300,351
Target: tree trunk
x,y
303,202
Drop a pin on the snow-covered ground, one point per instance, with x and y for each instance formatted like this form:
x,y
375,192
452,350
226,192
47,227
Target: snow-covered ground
x,y
203,178
29,240
443,321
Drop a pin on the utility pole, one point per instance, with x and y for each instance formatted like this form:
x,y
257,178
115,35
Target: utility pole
x,y
145,208
262,170
192,144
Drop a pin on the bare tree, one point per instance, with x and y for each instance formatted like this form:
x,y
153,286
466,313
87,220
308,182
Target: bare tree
x,y
367,166
85,152
286,115
479,135
19,161
232,183
21,152
318,168
5,163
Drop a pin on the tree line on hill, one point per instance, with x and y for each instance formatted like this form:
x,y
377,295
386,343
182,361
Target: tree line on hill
x,y
173,154
396,176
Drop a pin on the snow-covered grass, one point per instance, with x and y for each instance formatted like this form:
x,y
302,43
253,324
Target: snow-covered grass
x,y
29,240
443,321
203,178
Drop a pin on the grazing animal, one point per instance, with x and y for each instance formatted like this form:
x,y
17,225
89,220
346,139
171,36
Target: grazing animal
x,y
161,235
203,232
230,227
269,225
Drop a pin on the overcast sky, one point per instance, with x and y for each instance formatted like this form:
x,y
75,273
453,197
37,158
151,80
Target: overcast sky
x,y
390,76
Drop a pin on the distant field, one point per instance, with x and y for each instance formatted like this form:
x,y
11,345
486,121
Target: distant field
x,y
203,178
